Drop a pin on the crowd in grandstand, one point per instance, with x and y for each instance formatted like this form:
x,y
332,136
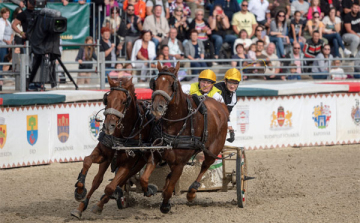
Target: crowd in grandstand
x,y
261,30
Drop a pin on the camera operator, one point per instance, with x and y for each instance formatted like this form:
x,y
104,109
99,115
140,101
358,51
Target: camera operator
x,y
158,25
23,19
133,28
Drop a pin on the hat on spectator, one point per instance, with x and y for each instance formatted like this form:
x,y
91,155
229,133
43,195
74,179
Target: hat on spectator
x,y
105,29
208,75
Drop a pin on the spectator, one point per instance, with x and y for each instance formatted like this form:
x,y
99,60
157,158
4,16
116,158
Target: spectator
x,y
157,24
18,40
301,6
150,4
113,21
139,8
336,72
297,58
164,51
180,23
230,7
331,32
252,51
347,7
279,5
260,34
325,6
274,69
352,28
260,9
278,33
6,32
313,46
244,39
295,75
143,50
176,48
357,65
194,50
204,32
133,29
86,53
108,47
244,20
240,55
118,73
219,24
314,25
109,6
262,61
180,4
314,7
321,66
296,30
23,19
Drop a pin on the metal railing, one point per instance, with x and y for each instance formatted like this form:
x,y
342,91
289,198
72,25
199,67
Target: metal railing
x,y
102,71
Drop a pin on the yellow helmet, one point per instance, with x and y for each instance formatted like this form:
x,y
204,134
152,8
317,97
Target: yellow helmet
x,y
233,74
208,74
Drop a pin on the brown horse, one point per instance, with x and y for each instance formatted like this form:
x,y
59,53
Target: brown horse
x,y
170,103
125,116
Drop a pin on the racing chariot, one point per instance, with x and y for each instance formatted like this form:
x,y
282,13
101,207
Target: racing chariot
x,y
177,129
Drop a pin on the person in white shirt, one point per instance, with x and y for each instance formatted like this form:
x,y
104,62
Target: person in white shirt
x,y
150,4
176,48
260,9
244,40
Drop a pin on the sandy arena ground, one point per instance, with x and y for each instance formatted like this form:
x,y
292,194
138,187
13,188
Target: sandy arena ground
x,y
310,184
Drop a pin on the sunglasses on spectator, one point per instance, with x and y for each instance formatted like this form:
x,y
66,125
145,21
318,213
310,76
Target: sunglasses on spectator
x,y
131,10
296,48
281,15
244,5
316,17
326,48
178,10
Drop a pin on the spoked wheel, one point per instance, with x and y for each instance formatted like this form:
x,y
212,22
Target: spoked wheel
x,y
241,173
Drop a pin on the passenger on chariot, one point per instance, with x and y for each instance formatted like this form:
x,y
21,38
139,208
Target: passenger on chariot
x,y
205,86
228,92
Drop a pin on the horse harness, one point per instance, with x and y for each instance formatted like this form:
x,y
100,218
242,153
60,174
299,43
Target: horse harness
x,y
179,141
112,141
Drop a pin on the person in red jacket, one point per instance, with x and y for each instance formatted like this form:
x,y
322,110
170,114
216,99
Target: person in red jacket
x,y
313,46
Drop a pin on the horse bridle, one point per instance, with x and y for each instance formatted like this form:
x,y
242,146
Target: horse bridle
x,y
112,111
161,92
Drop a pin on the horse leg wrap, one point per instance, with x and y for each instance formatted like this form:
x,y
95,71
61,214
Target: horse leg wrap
x,y
195,186
81,178
151,190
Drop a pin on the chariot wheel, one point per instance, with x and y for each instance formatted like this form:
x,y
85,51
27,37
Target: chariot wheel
x,y
241,173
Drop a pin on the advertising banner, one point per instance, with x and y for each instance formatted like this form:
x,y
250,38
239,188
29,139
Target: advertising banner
x,y
75,130
24,136
348,119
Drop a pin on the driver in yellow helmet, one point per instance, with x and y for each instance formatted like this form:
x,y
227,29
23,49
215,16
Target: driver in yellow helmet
x,y
205,86
228,92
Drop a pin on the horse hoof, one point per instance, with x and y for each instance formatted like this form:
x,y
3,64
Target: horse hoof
x,y
190,197
165,208
76,213
80,197
96,210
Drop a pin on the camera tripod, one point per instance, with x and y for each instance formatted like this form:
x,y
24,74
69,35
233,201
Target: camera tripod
x,y
46,67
